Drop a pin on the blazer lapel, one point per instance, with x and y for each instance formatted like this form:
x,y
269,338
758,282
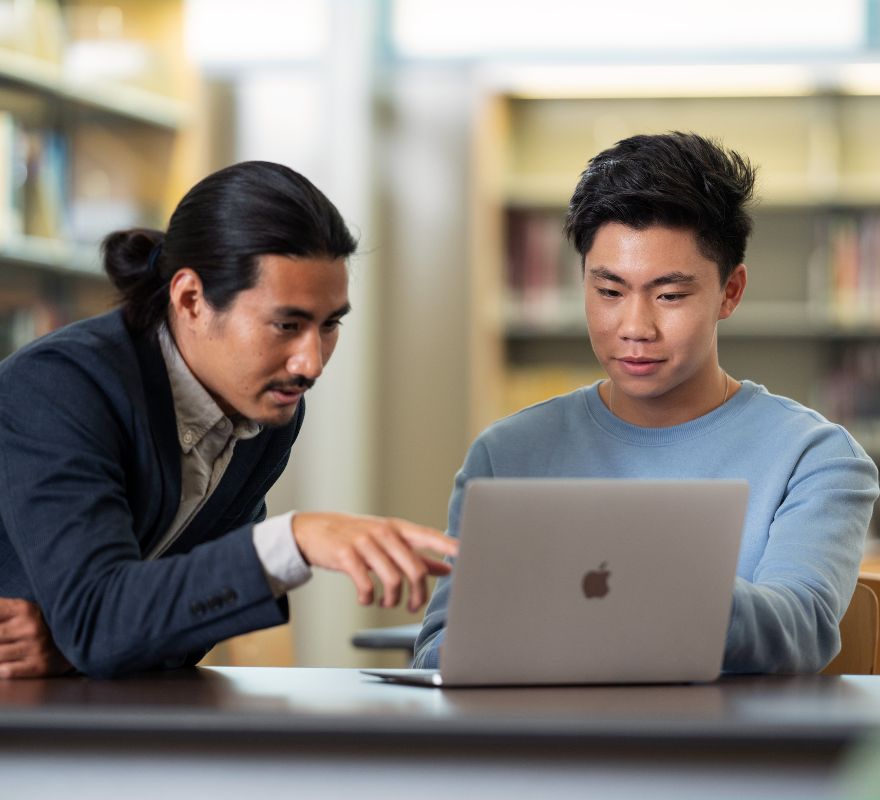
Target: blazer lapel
x,y
159,409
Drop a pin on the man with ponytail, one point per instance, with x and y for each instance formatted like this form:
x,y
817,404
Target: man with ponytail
x,y
136,447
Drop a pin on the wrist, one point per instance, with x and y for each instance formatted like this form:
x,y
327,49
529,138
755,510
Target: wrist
x,y
293,518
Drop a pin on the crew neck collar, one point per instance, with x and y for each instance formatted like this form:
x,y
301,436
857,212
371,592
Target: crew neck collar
x,y
698,426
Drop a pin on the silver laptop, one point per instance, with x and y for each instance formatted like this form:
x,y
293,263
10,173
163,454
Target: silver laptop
x,y
574,581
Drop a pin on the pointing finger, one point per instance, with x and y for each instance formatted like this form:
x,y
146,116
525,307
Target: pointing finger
x,y
420,536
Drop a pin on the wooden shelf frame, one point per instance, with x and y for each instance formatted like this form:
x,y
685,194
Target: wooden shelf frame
x,y
53,255
755,319
118,100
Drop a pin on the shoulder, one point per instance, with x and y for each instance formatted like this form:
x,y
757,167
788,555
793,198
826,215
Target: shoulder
x,y
536,427
539,417
96,354
96,339
775,418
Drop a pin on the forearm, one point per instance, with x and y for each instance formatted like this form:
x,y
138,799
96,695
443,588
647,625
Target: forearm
x,y
430,638
427,654
786,613
781,628
142,615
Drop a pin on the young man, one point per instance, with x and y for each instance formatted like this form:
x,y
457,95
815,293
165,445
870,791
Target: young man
x,y
661,225
136,448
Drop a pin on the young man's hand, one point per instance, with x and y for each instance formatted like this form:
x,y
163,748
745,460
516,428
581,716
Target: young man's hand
x,y
26,646
359,545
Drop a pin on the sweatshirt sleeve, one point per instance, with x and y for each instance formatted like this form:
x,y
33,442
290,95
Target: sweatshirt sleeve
x,y
786,619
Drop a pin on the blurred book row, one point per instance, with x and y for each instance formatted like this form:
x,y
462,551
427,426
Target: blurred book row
x,y
93,97
544,282
66,184
543,273
850,392
34,181
72,163
845,268
23,324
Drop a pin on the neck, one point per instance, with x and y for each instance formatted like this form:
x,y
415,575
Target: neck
x,y
187,349
675,407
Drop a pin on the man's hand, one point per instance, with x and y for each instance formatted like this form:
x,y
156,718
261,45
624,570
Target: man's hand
x,y
26,646
358,545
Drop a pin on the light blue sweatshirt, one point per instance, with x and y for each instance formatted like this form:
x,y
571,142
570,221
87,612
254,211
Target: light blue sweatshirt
x,y
811,493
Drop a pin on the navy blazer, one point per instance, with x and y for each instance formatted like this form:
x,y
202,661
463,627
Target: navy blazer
x,y
90,477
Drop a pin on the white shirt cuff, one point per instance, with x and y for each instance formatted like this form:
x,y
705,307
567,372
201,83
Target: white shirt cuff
x,y
276,548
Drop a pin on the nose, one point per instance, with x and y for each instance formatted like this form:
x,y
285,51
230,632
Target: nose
x,y
307,356
637,320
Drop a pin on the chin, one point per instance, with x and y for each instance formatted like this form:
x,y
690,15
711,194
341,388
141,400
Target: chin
x,y
278,419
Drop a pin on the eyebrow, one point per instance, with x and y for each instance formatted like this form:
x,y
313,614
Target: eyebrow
x,y
603,273
301,313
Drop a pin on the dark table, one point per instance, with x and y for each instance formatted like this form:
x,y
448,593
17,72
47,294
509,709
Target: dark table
x,y
243,732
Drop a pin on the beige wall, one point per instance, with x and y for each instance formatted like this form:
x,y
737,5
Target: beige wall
x,y
386,424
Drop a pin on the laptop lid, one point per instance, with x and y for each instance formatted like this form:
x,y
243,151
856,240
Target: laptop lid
x,y
592,581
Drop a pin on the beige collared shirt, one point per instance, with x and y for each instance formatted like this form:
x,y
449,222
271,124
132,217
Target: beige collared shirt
x,y
207,439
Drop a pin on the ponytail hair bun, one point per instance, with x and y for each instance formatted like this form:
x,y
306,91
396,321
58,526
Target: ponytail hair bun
x,y
133,262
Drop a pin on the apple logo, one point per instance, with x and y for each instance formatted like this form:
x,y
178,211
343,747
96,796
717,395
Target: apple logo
x,y
595,582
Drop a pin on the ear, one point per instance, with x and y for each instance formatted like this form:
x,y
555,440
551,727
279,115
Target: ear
x,y
186,298
733,291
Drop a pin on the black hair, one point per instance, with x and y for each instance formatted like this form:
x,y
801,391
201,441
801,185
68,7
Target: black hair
x,y
219,229
680,180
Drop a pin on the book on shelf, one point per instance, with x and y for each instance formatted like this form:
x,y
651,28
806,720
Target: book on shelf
x,y
849,393
13,171
46,200
33,181
845,267
544,280
543,275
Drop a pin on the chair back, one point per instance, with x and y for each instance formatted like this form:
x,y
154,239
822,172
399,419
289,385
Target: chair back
x,y
858,634
872,581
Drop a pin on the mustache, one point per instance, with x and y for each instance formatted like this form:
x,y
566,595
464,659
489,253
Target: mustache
x,y
296,382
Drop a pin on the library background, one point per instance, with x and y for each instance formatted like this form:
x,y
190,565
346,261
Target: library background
x,y
450,135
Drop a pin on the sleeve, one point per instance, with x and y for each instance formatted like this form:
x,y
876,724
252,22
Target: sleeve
x,y
427,647
786,620
63,457
281,559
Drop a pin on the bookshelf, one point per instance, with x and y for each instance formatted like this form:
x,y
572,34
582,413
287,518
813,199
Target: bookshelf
x,y
809,326
98,131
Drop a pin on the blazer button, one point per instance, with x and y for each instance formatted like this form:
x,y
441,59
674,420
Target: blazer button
x,y
230,595
198,608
